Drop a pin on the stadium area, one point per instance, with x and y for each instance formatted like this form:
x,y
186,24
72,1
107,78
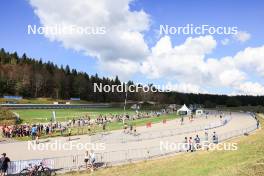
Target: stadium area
x,y
131,88
123,138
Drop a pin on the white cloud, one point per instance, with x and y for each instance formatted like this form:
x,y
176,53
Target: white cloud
x,y
251,59
184,87
250,88
242,36
122,67
231,77
182,62
187,64
123,39
222,72
123,50
225,41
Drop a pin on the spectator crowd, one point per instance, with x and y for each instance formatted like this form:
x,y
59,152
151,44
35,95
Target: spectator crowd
x,y
36,130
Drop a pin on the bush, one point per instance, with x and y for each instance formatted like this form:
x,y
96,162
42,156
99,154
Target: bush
x,y
7,117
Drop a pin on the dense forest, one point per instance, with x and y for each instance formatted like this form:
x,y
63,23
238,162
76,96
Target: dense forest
x,y
31,78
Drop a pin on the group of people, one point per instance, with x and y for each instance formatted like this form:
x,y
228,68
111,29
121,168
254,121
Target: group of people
x,y
190,144
89,160
120,117
130,129
194,144
36,130
10,131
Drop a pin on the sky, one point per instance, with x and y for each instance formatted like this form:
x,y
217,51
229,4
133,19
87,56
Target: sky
x,y
133,47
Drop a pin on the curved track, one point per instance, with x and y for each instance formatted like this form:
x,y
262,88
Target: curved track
x,y
121,148
19,150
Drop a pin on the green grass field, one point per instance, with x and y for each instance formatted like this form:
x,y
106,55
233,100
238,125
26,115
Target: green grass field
x,y
44,115
111,126
248,160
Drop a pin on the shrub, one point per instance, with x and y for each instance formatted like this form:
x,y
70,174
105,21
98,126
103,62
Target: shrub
x,y
7,117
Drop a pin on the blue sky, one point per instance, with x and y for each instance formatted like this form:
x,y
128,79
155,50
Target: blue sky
x,y
15,17
246,15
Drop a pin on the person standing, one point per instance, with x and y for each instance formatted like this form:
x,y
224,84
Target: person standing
x,y
92,159
206,142
257,124
47,130
61,130
37,139
186,147
34,132
182,120
104,126
125,128
131,129
215,138
86,159
4,164
135,131
89,128
197,142
69,133
190,144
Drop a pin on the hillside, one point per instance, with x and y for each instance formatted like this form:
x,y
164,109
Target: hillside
x,y
33,79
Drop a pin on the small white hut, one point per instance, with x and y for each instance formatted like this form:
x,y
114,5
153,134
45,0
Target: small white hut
x,y
135,107
199,112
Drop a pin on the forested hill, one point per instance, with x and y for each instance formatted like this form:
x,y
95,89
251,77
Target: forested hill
x,y
32,78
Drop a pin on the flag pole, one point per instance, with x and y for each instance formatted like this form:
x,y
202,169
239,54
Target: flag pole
x,y
125,104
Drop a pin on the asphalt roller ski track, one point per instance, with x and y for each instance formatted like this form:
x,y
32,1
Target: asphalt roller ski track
x,y
20,150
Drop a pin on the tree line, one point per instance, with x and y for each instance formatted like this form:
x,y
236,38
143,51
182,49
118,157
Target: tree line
x,y
32,78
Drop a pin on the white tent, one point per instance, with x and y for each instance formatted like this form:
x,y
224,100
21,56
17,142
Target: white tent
x,y
184,110
135,107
